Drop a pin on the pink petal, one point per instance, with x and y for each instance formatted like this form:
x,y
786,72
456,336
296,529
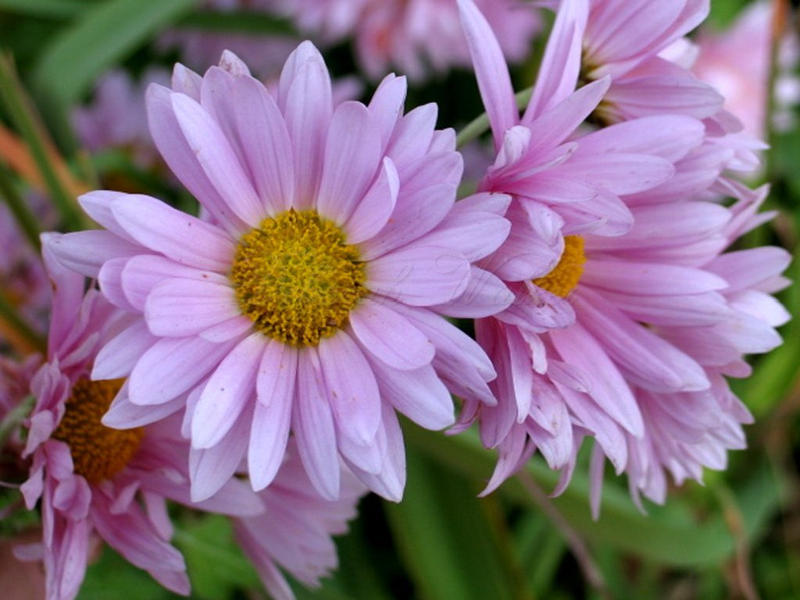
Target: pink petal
x,y
181,237
313,427
352,389
419,275
420,395
377,205
491,71
268,149
183,307
275,386
390,337
352,155
227,392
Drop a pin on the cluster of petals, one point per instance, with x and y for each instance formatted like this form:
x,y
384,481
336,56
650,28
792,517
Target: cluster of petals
x,y
128,509
388,181
415,36
635,355
294,531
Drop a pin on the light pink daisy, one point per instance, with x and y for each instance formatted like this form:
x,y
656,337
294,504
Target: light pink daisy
x,y
95,482
629,324
295,530
622,39
310,300
415,36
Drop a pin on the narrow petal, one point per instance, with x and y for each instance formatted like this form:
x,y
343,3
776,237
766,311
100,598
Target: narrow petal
x,y
491,70
352,156
389,336
179,236
353,391
227,392
377,205
312,423
183,307
419,275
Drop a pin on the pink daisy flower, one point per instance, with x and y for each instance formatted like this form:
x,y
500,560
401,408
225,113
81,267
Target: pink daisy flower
x,y
310,301
295,530
415,36
630,323
622,39
99,482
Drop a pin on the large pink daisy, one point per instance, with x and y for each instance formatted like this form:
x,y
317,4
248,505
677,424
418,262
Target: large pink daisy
x,y
309,299
630,329
94,481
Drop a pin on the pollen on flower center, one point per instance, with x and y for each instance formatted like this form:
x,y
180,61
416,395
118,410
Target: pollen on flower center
x,y
98,452
567,273
296,277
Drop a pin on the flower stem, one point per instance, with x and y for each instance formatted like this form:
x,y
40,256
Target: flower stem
x,y
14,418
26,336
480,125
20,113
22,213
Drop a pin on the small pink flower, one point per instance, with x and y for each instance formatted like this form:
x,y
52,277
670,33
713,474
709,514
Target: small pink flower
x,y
415,36
310,299
295,530
635,314
94,481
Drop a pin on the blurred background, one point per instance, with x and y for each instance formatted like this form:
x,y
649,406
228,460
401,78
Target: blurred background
x,y
72,80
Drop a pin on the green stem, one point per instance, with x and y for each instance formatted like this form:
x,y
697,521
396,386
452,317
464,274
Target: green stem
x,y
480,125
21,115
14,418
11,316
21,211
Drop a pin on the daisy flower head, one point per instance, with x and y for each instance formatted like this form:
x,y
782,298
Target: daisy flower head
x,y
94,481
629,324
308,298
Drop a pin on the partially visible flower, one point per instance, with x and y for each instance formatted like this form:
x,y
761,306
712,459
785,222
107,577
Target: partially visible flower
x,y
414,36
310,299
117,118
22,276
737,63
295,530
93,480
622,39
626,334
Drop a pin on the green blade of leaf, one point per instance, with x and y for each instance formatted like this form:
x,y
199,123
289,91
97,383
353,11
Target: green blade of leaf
x,y
44,8
445,538
669,535
256,23
103,35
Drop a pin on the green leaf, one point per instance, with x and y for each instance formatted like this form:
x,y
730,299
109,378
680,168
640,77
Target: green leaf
x,y
104,34
446,537
669,535
114,578
216,565
44,8
255,23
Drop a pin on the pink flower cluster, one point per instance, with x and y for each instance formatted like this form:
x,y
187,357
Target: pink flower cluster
x,y
253,360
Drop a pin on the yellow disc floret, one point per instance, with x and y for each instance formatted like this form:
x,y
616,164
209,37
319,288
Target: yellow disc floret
x,y
98,452
296,277
567,273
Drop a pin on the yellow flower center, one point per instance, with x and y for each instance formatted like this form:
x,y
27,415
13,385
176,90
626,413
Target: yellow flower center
x,y
98,452
567,273
296,277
